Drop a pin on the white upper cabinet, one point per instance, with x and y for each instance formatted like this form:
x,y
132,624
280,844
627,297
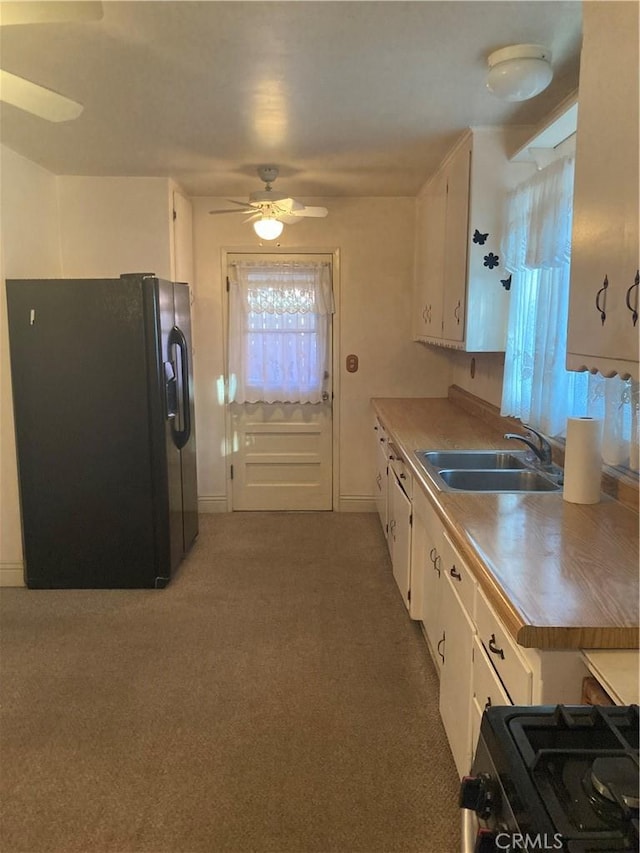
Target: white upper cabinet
x,y
603,327
461,287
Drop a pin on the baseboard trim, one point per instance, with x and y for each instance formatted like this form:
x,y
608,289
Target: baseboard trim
x,y
212,503
11,574
356,503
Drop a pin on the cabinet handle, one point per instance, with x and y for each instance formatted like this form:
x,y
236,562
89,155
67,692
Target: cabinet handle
x,y
601,308
429,314
634,311
494,649
455,573
403,476
436,564
379,481
456,312
439,644
433,554
382,439
488,703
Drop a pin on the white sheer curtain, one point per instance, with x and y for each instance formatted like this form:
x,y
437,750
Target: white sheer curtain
x,y
279,315
537,387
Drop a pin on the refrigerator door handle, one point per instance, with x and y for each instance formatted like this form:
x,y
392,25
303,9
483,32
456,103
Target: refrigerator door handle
x,y
181,436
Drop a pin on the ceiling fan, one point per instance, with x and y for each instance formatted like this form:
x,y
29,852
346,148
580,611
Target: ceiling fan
x,y
270,211
22,93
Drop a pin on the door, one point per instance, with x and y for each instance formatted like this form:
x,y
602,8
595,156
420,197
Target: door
x,y
79,371
280,383
400,535
455,680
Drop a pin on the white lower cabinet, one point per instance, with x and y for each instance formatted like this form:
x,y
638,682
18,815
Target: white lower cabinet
x,y
427,563
381,485
455,678
486,689
400,512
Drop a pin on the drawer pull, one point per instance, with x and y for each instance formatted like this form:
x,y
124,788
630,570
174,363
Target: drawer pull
x,y
403,476
433,554
439,644
455,573
494,649
634,311
436,564
599,307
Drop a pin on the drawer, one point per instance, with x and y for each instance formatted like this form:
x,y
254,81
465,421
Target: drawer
x,y
503,653
401,470
463,581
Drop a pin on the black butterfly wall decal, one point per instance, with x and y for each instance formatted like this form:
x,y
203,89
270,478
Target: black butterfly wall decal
x,y
480,238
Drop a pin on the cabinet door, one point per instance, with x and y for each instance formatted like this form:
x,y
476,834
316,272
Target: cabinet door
x,y
400,537
431,562
487,689
381,488
430,230
455,678
605,215
455,243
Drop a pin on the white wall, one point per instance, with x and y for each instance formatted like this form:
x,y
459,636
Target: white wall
x,y
29,248
110,226
375,240
489,370
76,227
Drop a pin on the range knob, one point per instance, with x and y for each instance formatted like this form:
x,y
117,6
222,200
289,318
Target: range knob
x,y
485,842
476,794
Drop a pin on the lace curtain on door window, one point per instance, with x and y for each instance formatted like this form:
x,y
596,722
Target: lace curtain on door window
x,y
279,320
537,387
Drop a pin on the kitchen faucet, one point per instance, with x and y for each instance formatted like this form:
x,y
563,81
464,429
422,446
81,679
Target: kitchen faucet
x,y
541,447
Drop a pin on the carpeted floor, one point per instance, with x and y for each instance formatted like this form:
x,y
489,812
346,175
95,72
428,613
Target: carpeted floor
x,y
275,697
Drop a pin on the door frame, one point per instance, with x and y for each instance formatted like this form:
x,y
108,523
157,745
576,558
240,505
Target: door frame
x,y
293,253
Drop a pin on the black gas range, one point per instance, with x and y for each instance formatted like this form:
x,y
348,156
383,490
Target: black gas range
x,y
554,778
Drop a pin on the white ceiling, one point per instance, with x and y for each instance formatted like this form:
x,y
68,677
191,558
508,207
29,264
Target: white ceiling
x,y
347,98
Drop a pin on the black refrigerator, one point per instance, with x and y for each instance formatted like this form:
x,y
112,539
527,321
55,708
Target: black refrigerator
x,y
104,416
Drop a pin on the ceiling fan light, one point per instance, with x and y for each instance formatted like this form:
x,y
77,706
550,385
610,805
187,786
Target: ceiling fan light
x,y
519,72
268,228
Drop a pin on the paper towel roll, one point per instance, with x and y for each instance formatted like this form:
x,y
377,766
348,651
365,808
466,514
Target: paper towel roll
x,y
583,461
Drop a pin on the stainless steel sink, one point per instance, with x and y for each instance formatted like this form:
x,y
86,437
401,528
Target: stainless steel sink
x,y
485,459
504,480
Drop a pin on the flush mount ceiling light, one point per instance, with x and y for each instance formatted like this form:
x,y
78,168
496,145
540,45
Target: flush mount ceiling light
x,y
519,72
268,228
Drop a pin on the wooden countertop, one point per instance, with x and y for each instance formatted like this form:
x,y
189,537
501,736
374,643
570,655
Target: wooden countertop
x,y
560,575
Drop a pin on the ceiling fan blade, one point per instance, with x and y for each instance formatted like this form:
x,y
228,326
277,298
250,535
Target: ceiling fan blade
x,y
289,218
228,210
253,218
21,12
244,204
311,211
36,99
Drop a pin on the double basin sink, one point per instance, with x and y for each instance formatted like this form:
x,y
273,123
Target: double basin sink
x,y
487,471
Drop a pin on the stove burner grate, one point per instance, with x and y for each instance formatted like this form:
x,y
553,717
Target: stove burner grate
x,y
616,779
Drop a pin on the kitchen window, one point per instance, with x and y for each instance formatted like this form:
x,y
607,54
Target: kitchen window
x,y
537,387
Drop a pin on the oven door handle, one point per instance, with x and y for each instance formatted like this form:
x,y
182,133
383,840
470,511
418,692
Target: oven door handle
x,y
469,831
